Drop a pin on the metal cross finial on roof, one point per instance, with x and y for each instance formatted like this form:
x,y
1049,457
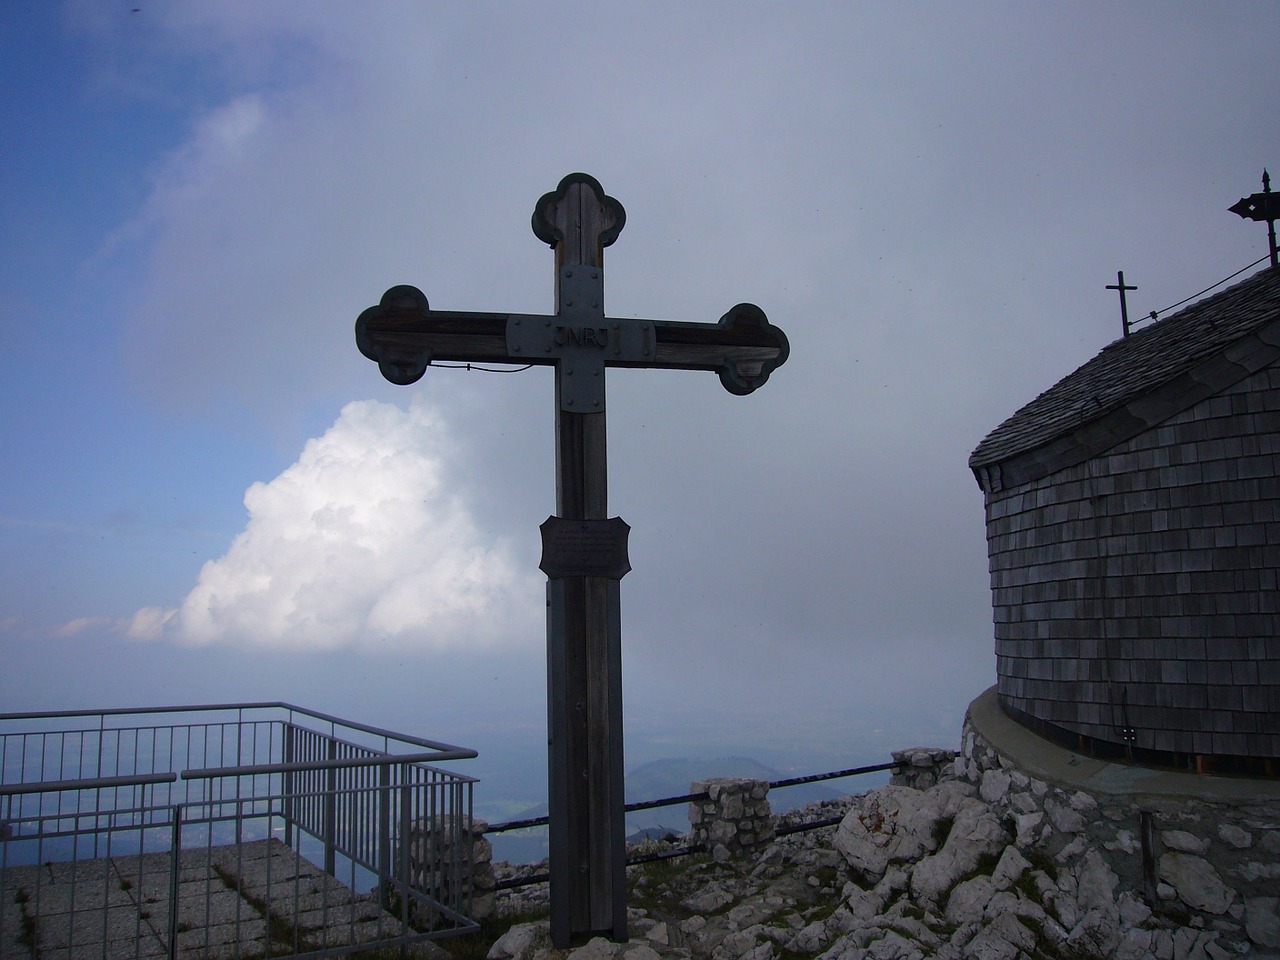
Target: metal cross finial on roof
x,y
1259,207
1124,302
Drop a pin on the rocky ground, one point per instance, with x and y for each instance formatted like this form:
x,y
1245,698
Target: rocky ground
x,y
914,873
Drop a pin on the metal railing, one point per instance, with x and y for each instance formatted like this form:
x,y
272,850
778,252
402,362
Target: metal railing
x,y
687,849
237,830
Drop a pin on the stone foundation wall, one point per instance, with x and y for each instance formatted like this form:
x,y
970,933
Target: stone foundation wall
x,y
1207,864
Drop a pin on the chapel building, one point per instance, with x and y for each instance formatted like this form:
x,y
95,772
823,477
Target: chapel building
x,y
1133,532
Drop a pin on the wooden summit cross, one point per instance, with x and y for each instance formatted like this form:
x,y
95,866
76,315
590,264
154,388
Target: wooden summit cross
x,y
584,554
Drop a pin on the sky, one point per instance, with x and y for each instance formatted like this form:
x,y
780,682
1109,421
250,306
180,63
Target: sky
x,y
210,496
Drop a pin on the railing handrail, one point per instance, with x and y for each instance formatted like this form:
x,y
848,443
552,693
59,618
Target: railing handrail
x,y
134,711
836,774
92,783
230,707
702,795
376,731
383,760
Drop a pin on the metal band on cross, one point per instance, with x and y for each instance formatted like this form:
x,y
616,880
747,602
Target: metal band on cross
x,y
584,551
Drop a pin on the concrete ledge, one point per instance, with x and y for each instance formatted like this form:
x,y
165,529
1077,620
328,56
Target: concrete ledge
x,y
1055,764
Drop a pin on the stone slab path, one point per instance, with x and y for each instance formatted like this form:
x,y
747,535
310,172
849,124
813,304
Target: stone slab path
x,y
239,902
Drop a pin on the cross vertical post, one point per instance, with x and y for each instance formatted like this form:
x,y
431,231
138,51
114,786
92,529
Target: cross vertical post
x,y
584,553
586,830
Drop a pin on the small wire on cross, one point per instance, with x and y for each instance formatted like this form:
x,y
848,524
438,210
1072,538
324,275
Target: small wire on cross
x,y
1124,301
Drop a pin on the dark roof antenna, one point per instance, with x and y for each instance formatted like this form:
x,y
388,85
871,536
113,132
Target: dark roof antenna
x,y
1259,207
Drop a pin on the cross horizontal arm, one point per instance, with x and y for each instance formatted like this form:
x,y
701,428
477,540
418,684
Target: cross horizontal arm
x,y
403,335
743,348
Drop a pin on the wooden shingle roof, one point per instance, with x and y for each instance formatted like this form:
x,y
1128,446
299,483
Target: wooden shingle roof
x,y
1135,383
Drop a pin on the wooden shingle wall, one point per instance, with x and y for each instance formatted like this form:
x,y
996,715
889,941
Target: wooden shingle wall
x,y
1138,590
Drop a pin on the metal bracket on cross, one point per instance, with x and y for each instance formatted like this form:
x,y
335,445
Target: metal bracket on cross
x,y
581,340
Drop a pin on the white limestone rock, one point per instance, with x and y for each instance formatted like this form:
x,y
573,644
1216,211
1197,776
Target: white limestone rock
x,y
1262,920
1096,933
1010,869
1064,818
1003,939
1235,837
1072,850
968,900
995,784
888,825
811,938
1124,842
894,946
665,935
711,898
1021,802
1252,871
1184,842
597,948
764,951
977,832
950,796
912,928
1136,945
520,941
1027,825
1134,912
1081,802
1198,885
741,943
1096,884
1010,902
1189,944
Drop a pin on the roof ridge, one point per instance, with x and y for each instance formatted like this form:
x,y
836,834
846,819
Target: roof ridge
x,y
1125,371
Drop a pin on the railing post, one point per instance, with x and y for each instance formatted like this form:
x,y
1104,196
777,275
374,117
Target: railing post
x,y
464,845
175,849
475,836
384,831
288,736
330,810
403,880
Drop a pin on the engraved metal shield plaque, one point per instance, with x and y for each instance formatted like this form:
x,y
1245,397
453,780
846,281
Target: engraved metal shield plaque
x,y
585,548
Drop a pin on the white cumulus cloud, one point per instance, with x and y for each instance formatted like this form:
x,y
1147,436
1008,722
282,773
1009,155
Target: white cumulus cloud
x,y
363,541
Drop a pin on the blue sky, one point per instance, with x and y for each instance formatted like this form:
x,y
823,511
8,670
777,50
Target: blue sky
x,y
209,494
